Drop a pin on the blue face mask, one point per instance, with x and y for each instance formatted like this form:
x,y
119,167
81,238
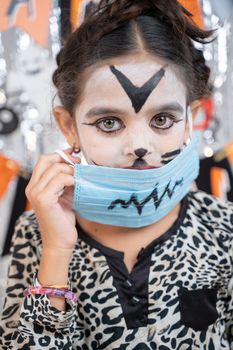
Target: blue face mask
x,y
134,198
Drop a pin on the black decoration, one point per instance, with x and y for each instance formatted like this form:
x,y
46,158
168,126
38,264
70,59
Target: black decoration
x,y
138,95
7,127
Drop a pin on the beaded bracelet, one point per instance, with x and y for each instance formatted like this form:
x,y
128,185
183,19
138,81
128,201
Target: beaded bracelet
x,y
62,293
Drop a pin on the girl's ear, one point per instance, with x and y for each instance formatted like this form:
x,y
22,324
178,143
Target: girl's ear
x,y
66,124
195,105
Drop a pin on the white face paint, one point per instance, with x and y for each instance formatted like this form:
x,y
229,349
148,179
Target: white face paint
x,y
109,128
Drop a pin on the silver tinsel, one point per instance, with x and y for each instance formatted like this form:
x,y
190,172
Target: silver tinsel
x,y
219,56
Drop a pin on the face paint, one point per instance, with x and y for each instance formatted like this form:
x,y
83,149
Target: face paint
x,y
138,95
140,152
167,157
139,162
105,107
171,154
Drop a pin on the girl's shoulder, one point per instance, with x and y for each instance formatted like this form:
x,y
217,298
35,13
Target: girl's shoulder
x,y
207,208
208,202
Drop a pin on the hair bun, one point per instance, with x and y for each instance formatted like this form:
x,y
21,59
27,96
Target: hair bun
x,y
122,27
171,12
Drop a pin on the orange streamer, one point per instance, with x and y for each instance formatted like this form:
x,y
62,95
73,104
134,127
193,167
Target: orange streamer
x,y
75,13
193,6
8,170
220,182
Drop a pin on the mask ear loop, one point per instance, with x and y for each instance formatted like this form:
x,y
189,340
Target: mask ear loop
x,y
65,158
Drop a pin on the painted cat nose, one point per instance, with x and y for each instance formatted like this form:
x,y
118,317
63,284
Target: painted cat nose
x,y
140,152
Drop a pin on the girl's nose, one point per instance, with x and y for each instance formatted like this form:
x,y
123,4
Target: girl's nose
x,y
140,152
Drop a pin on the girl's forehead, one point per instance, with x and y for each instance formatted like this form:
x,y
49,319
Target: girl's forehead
x,y
137,70
135,83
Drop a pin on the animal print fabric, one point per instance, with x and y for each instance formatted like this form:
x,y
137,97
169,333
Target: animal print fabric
x,y
190,291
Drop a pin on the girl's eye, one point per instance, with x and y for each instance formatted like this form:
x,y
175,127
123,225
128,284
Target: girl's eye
x,y
163,121
109,125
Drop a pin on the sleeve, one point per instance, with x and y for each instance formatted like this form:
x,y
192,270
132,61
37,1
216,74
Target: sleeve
x,y
229,309
229,315
31,322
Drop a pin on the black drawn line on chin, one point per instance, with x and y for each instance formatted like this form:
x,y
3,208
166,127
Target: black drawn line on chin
x,y
138,95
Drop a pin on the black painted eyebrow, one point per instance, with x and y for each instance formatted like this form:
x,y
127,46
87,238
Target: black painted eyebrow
x,y
99,111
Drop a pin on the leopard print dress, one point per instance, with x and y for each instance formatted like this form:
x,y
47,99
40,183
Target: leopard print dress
x,y
190,298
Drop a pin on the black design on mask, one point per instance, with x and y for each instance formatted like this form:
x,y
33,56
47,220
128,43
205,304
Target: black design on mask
x,y
138,95
153,196
168,157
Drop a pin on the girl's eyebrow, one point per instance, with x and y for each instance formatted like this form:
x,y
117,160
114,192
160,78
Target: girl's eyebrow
x,y
98,111
170,106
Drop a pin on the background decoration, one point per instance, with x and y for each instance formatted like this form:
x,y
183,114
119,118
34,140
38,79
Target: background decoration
x,y
29,42
194,7
8,121
32,16
8,170
80,9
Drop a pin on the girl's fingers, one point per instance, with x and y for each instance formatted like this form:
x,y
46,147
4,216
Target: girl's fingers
x,y
51,172
45,161
51,192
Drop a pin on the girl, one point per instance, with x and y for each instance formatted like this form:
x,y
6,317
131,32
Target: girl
x,y
119,253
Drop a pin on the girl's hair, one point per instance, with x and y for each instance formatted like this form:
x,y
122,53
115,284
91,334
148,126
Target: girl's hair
x,y
123,27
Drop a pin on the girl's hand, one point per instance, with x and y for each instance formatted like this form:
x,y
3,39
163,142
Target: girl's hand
x,y
54,211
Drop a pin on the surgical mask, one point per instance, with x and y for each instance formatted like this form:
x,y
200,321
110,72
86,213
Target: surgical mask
x,y
134,198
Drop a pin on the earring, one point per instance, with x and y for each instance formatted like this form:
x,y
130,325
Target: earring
x,y
75,150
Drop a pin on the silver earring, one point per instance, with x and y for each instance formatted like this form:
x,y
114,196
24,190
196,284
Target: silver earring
x,y
75,150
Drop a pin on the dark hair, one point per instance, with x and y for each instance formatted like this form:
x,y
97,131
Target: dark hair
x,y
122,27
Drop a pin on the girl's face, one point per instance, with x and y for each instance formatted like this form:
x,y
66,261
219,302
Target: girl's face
x,y
132,113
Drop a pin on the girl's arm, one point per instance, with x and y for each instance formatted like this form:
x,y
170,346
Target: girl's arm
x,y
229,305
229,314
229,320
31,322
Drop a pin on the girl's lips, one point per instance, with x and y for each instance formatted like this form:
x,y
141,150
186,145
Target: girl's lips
x,y
145,167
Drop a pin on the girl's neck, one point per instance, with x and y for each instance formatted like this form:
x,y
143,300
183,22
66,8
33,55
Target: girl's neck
x,y
128,240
